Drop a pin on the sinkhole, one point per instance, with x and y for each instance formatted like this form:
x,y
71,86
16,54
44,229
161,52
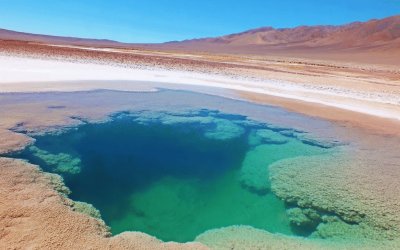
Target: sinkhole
x,y
174,175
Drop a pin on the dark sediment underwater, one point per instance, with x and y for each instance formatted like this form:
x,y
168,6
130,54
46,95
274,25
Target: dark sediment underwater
x,y
176,175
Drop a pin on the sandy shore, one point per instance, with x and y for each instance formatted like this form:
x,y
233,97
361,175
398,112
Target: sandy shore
x,y
366,89
354,95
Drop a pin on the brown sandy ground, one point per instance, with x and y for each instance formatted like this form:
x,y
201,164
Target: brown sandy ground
x,y
362,189
244,237
352,119
336,79
353,76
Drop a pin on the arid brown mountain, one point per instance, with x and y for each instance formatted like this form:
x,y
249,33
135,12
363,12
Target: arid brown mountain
x,y
58,40
368,34
373,41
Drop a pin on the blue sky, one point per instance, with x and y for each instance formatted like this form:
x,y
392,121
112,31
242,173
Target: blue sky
x,y
167,20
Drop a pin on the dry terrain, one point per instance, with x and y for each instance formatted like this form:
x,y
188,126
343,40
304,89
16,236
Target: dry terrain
x,y
352,82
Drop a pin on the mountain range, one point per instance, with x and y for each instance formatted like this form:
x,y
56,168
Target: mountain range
x,y
377,39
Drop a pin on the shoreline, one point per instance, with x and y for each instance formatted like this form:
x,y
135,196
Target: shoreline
x,y
376,124
42,75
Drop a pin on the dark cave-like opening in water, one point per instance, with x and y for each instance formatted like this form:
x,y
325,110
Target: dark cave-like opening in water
x,y
173,175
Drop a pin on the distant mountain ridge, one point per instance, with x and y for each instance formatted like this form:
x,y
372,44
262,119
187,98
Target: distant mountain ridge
x,y
47,39
373,32
374,41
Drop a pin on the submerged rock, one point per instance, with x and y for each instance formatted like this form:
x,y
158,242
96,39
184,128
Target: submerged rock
x,y
254,172
224,130
61,163
334,227
305,218
86,208
213,126
268,136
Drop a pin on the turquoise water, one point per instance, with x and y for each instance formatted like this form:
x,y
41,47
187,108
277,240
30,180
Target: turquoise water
x,y
174,175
